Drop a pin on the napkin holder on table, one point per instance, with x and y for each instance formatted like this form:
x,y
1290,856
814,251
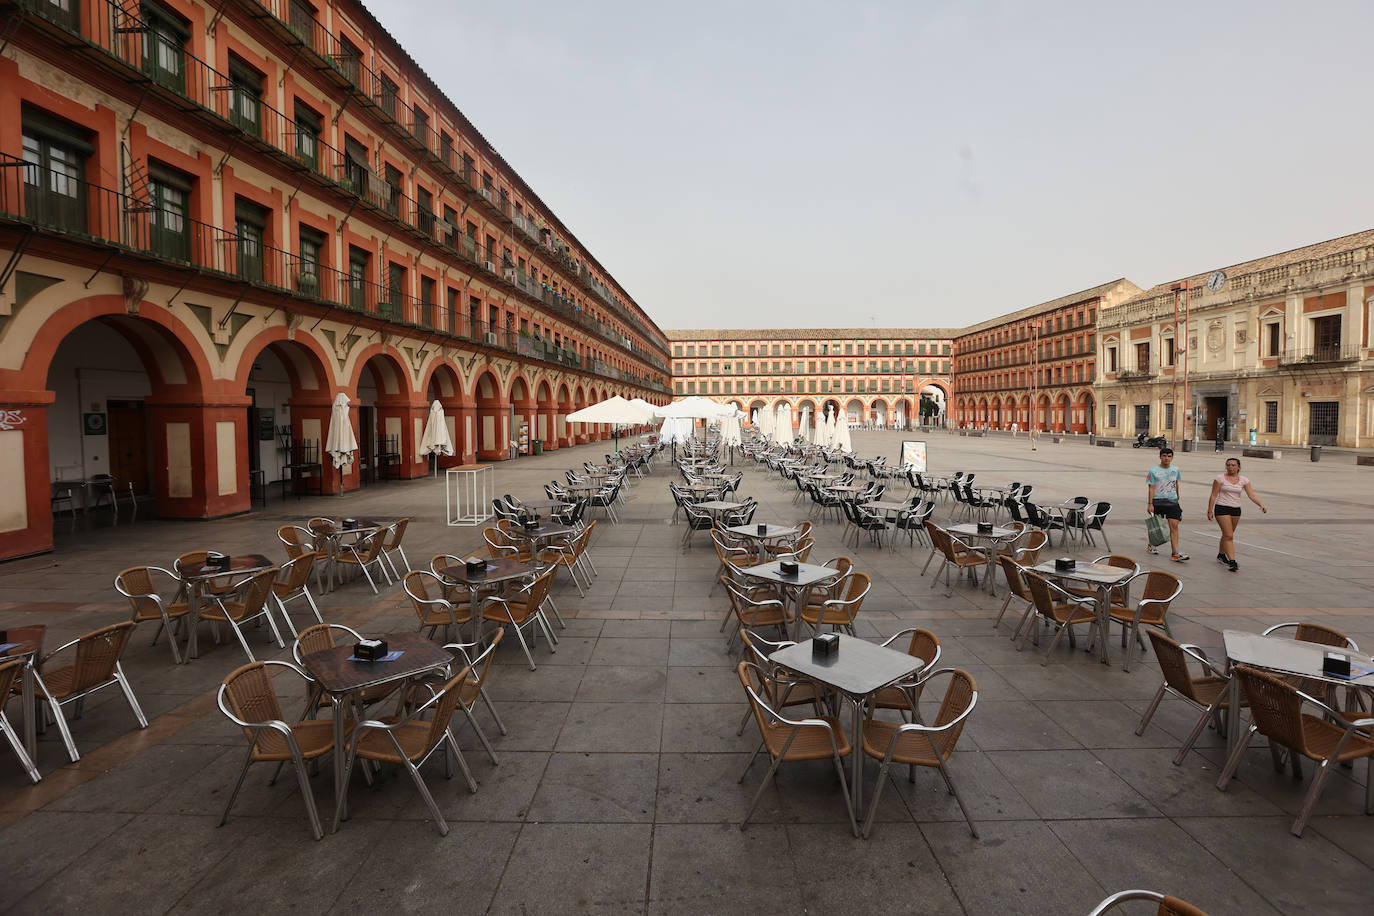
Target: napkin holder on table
x,y
1336,664
825,645
985,527
370,649
475,566
348,524
788,567
763,530
1064,564
220,563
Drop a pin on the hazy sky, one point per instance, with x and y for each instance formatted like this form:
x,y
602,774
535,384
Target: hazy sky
x,y
773,164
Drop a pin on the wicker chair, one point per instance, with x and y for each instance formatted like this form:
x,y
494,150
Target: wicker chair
x,y
294,584
1322,636
524,608
136,584
502,545
409,742
248,698
1151,608
10,671
840,612
96,665
364,553
796,690
391,544
1208,693
1168,906
250,604
1276,712
477,661
906,694
754,612
787,740
916,745
1063,614
957,555
1016,588
425,591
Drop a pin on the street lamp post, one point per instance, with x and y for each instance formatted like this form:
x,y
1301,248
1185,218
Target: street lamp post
x,y
1033,428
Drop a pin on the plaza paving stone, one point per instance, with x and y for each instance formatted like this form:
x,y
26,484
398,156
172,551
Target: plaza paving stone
x,y
617,786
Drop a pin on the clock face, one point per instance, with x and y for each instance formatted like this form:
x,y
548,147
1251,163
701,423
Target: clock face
x,y
1216,281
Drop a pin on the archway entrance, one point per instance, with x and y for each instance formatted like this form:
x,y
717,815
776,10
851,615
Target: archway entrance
x,y
445,387
878,414
387,420
493,419
288,418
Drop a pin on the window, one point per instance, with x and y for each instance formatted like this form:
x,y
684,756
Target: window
x,y
1271,339
1111,359
164,47
393,185
357,278
356,167
245,97
1111,416
424,211
419,125
1142,357
427,301
1271,416
1169,415
446,148
250,224
386,95
349,61
55,154
1169,359
1142,418
1326,337
301,18
308,122
309,260
169,224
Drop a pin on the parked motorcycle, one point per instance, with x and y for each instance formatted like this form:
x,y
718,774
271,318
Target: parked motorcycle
x,y
1142,441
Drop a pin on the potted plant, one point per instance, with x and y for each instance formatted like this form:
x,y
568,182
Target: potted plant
x,y
307,283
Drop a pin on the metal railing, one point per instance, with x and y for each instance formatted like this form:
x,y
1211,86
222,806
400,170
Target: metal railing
x,y
1320,353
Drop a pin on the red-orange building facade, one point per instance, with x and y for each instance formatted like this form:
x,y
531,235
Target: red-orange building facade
x,y
1034,368
216,216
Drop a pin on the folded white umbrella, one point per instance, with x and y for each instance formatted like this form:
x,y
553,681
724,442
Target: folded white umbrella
x,y
436,440
782,432
341,443
842,441
729,431
676,429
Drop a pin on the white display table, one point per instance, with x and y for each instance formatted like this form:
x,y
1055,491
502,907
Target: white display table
x,y
467,494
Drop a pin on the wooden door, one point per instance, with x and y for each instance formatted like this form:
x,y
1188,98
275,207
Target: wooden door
x,y
127,429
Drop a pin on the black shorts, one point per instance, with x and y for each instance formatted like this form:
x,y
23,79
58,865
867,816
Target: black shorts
x,y
1169,509
1226,510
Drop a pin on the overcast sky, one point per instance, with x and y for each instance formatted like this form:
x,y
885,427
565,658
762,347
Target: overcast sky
x,y
774,164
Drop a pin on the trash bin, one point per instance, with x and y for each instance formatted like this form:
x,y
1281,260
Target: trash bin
x,y
1092,438
1316,453
1187,445
537,447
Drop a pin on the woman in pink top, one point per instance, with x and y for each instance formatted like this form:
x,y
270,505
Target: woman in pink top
x,y
1224,506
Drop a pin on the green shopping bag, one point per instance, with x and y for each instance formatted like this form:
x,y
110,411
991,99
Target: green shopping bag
x,y
1157,530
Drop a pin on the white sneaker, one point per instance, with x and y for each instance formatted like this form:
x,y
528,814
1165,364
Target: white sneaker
x,y
1150,548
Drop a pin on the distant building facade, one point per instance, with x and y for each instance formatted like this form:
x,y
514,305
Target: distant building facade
x,y
1034,368
877,376
1280,345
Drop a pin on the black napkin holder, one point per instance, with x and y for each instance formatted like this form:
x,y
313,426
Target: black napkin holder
x,y
788,567
348,524
370,649
985,527
475,567
763,530
221,563
1336,664
825,645
1064,564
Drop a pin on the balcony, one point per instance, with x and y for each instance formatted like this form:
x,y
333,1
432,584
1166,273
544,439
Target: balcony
x,y
1135,375
1320,355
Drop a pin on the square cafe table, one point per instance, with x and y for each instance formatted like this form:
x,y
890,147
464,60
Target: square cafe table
x,y
1287,656
768,539
195,579
499,570
27,643
1101,577
332,531
341,676
857,669
996,536
808,574
717,506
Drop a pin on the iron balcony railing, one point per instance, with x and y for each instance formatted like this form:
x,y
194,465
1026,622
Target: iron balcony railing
x,y
1320,353
66,204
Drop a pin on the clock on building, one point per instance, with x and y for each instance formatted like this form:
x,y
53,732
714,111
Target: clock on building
x,y
1216,281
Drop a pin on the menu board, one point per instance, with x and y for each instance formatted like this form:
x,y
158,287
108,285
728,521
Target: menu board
x,y
914,455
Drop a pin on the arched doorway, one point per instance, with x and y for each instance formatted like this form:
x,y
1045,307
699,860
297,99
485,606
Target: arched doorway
x,y
493,415
524,416
388,419
1083,419
1062,413
878,413
854,410
446,387
1042,410
995,413
291,390
565,407
755,407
